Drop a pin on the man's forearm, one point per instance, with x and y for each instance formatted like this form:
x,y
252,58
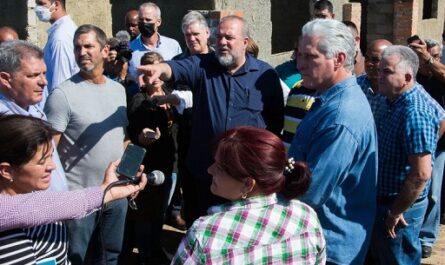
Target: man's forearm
x,y
410,192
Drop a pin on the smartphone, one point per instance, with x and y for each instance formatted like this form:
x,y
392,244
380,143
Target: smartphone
x,y
413,39
130,162
150,135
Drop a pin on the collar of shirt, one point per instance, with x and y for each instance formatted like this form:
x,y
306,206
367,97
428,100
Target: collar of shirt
x,y
337,88
249,66
248,203
33,110
402,97
57,24
142,44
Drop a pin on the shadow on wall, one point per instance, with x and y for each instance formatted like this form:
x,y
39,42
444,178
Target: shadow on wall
x,y
14,14
172,12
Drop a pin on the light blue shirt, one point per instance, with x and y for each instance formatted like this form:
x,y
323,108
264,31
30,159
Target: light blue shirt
x,y
338,139
7,106
59,54
167,47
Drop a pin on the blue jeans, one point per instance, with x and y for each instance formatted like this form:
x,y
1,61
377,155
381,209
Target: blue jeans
x,y
430,227
405,248
112,225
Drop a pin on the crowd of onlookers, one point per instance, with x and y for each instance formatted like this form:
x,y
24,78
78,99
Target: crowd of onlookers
x,y
332,157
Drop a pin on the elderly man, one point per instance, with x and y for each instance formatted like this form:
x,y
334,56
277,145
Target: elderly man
x,y
196,33
58,50
407,141
429,76
7,34
22,80
230,88
150,39
337,139
131,24
91,132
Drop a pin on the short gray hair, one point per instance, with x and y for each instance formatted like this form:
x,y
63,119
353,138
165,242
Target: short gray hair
x,y
335,37
408,59
12,52
430,43
193,17
151,5
245,30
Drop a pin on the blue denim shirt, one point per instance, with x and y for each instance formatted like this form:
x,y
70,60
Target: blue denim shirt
x,y
251,96
337,138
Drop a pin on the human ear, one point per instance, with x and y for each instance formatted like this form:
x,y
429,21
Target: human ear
x,y
5,79
249,185
6,171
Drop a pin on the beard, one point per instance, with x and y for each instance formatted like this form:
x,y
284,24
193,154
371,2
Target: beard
x,y
228,59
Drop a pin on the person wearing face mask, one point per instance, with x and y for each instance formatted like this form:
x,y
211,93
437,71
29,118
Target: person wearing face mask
x,y
149,22
59,49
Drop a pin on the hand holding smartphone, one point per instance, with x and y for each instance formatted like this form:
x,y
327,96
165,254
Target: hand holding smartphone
x,y
413,39
130,162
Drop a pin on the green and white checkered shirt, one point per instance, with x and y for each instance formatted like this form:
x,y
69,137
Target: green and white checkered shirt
x,y
257,230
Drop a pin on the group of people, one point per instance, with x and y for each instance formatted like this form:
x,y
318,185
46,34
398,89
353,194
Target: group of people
x,y
334,157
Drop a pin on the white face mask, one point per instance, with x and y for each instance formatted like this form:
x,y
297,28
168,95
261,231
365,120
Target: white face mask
x,y
43,13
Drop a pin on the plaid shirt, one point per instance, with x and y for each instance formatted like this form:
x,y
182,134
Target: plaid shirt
x,y
377,102
257,230
408,127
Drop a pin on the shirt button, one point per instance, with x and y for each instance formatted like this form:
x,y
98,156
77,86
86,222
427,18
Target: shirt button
x,y
229,119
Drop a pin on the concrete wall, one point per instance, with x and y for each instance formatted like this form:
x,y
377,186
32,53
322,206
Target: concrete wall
x,y
380,20
274,24
431,28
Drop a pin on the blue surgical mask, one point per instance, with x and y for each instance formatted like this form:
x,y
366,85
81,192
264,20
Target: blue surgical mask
x,y
43,13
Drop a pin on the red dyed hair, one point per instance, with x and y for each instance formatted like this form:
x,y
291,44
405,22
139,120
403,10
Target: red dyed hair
x,y
247,151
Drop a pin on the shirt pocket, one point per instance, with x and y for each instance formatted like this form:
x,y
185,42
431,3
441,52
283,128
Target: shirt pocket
x,y
254,100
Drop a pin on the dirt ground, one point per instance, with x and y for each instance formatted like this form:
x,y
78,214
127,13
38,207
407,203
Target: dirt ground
x,y
438,256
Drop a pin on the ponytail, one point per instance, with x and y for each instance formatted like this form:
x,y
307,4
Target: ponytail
x,y
297,179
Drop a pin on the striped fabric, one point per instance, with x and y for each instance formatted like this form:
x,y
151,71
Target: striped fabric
x,y
28,246
299,102
258,230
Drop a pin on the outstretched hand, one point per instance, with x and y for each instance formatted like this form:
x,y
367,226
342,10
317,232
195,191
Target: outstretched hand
x,y
120,192
148,74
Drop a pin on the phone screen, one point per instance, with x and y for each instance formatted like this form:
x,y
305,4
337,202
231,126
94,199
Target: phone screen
x,y
131,161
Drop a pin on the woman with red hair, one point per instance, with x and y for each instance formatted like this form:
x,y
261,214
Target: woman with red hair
x,y
263,222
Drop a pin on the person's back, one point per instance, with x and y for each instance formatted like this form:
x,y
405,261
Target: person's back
x,y
263,222
256,229
337,138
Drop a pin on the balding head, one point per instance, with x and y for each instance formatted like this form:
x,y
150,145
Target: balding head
x,y
373,57
7,34
131,23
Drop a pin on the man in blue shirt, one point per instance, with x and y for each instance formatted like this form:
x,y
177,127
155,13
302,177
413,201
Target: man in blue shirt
x,y
59,49
230,88
150,40
22,81
337,138
407,139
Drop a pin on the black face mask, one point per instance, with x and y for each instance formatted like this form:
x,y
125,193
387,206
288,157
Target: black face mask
x,y
147,29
